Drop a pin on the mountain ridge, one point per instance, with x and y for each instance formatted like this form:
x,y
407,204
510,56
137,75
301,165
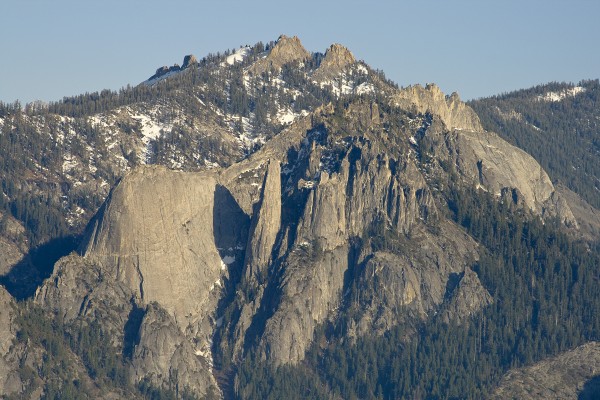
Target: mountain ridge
x,y
230,233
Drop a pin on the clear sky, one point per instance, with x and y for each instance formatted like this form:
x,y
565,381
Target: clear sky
x,y
51,49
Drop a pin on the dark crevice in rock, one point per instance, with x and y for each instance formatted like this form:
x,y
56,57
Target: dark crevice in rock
x,y
480,172
26,276
355,264
231,228
353,156
453,280
132,329
230,223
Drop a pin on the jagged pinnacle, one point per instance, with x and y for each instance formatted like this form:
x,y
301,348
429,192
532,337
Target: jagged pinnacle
x,y
286,50
337,58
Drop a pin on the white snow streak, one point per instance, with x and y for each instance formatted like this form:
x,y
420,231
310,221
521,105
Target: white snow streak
x,y
558,96
238,55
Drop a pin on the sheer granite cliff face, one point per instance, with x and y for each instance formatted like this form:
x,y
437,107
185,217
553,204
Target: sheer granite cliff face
x,y
265,225
155,235
152,242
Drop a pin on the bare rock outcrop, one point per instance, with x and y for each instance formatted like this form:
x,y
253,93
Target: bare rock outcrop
x,y
10,381
465,297
265,224
488,162
312,284
163,71
483,158
10,255
13,243
343,200
164,355
155,234
159,351
153,241
495,165
188,61
587,217
286,50
430,99
80,289
337,58
410,282
562,377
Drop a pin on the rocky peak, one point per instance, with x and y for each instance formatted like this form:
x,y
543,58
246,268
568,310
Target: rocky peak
x,y
454,113
337,56
188,60
286,50
336,59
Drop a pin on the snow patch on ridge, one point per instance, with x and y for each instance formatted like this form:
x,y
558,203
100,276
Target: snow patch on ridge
x,y
364,88
558,96
238,55
347,82
154,81
151,129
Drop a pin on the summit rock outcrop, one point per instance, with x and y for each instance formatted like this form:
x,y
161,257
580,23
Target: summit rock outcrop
x,y
337,58
286,50
451,110
188,61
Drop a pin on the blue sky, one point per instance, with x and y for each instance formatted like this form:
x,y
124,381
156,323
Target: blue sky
x,y
52,49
